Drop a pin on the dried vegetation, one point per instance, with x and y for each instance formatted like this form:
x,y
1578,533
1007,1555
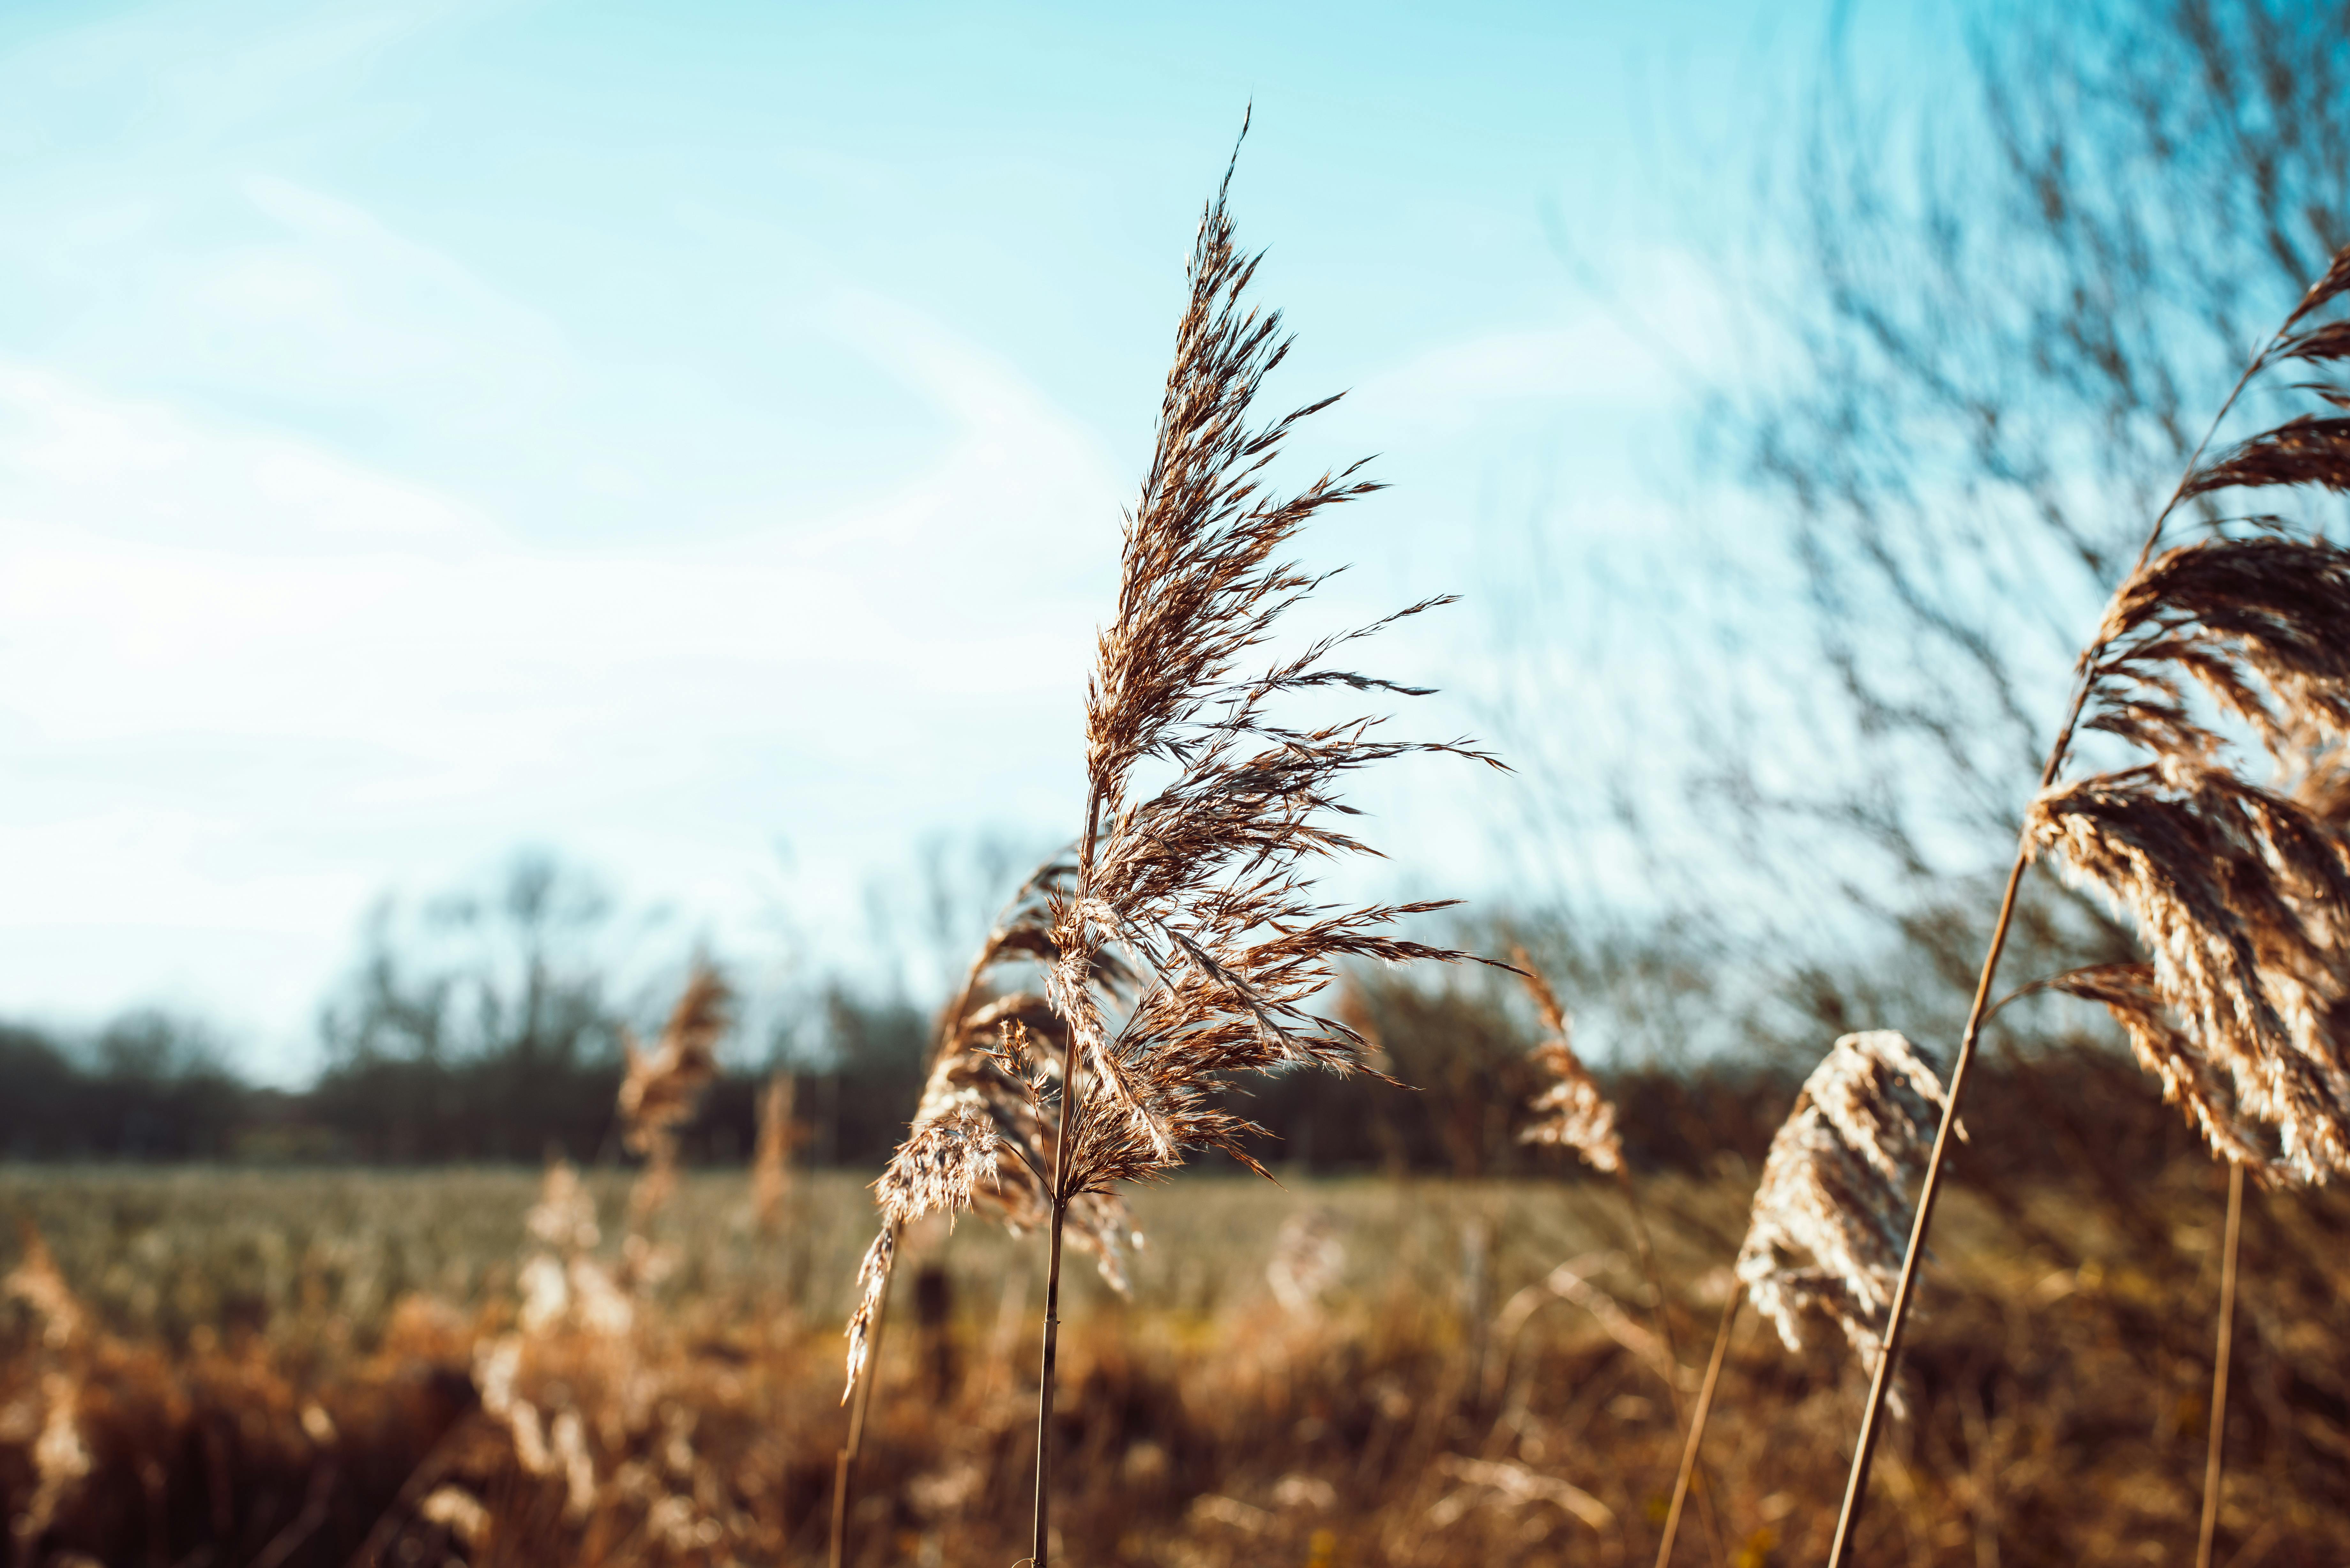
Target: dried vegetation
x,y
250,1361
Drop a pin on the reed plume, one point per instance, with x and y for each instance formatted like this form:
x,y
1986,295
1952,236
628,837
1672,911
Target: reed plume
x,y
1572,1110
1824,1235
978,1140
60,1456
1833,1207
663,1088
2239,892
1205,812
41,1284
1186,943
1204,881
771,1159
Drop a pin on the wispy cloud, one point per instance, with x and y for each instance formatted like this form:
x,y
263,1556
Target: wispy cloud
x,y
222,642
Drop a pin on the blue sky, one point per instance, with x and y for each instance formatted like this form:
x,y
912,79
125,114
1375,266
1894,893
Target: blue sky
x,y
666,432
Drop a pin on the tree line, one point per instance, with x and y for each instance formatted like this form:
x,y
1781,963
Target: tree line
x,y
155,1087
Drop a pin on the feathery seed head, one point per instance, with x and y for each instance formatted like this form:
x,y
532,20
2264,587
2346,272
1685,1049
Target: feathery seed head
x,y
2240,892
1831,1216
771,1159
1206,882
872,1290
564,1216
38,1282
1572,1110
663,1086
981,1138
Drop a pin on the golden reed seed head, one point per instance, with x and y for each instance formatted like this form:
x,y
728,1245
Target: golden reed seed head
x,y
663,1086
1831,1216
771,1159
952,1151
38,1282
980,1139
2238,891
1201,887
1205,881
872,1289
1571,1111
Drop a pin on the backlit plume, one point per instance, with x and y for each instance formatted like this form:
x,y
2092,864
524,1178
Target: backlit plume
x,y
1206,809
978,1140
1571,1111
1831,1214
663,1088
2235,641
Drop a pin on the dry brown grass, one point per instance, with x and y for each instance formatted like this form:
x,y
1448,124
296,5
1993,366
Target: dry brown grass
x,y
1423,1413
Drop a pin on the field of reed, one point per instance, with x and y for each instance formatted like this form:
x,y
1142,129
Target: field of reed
x,y
331,1366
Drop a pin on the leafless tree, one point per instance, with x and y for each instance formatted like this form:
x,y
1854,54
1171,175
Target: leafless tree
x,y
1985,327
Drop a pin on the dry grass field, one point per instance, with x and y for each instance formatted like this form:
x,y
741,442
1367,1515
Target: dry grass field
x,y
283,1367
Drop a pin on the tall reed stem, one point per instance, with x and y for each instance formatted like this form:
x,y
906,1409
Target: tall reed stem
x,y
846,1463
2220,1365
1697,1424
1647,1250
1857,1483
1039,1542
1040,1537
1864,1449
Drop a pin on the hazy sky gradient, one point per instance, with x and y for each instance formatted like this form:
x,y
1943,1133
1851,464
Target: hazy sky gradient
x,y
663,432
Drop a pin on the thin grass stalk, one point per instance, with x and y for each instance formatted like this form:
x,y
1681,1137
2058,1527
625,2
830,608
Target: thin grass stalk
x,y
1697,1424
844,1463
1039,1542
1647,1248
2220,1365
908,1189
1881,1378
1880,1381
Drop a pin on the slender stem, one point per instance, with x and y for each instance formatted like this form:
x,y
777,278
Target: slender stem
x,y
2084,679
1697,1424
845,1462
1040,1539
1857,1483
2220,1365
1664,1316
